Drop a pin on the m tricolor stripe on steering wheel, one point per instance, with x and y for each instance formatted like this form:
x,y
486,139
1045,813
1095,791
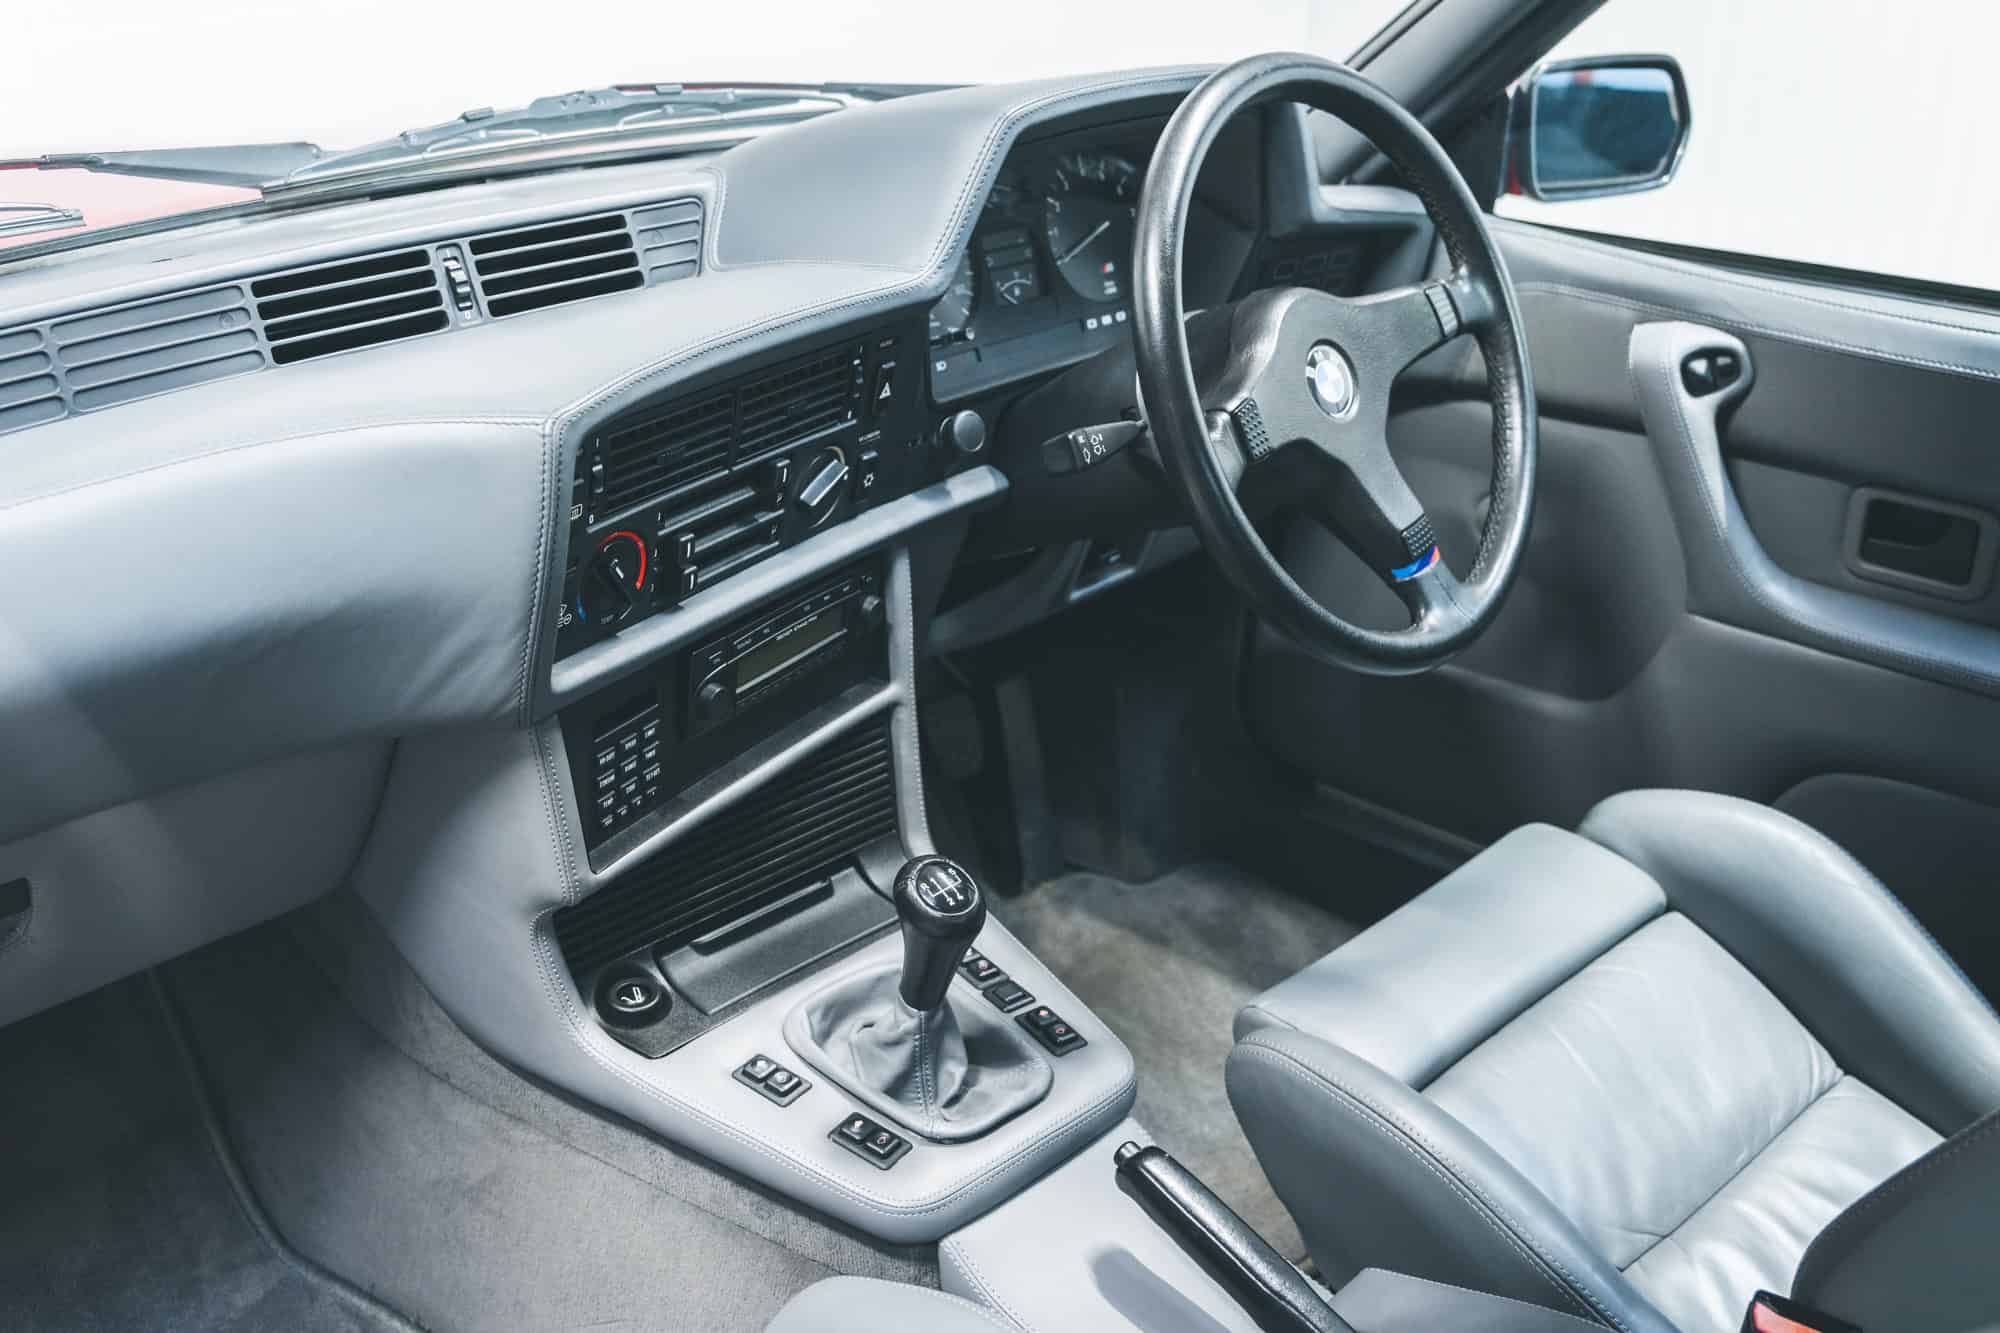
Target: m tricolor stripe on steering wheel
x,y
1415,567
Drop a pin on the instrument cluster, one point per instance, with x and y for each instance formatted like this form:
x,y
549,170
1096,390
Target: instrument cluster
x,y
1045,280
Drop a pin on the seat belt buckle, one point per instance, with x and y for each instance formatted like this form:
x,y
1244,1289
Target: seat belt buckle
x,y
1775,1314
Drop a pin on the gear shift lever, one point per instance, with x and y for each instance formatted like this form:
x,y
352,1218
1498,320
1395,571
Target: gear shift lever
x,y
891,1038
942,910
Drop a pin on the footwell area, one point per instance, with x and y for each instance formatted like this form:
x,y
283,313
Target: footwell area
x,y
403,1178
116,1211
1167,964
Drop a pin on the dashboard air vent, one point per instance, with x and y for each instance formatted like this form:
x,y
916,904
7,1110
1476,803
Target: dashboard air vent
x,y
671,451
355,303
667,450
798,399
532,267
800,828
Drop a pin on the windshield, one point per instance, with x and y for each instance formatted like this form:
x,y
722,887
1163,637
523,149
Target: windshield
x,y
304,86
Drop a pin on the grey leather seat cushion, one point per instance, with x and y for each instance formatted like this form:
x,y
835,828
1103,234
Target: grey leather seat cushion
x,y
869,1305
1628,1073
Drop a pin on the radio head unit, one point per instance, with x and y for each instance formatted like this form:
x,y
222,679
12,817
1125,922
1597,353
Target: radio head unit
x,y
635,745
739,670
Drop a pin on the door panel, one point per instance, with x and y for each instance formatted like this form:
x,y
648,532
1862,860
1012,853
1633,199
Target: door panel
x,y
1684,616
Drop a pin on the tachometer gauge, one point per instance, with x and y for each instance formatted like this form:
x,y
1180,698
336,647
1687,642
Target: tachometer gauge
x,y
953,312
1088,213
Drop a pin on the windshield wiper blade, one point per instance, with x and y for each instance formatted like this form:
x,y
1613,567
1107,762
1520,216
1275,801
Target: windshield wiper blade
x,y
249,165
21,219
668,111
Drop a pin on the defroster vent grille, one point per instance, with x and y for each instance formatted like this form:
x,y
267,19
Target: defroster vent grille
x,y
533,267
801,828
338,307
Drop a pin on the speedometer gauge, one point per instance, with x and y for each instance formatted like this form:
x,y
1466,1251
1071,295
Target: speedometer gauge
x,y
1088,213
953,311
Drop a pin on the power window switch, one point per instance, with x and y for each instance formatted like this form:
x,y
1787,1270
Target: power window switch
x,y
880,1147
773,1080
1052,1030
1007,995
982,971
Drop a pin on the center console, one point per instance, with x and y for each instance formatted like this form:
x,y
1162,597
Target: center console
x,y
670,892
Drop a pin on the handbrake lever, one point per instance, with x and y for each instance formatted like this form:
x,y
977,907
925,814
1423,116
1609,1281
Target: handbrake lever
x,y
1269,1289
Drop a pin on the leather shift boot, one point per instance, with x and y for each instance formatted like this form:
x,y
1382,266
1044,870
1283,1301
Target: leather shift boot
x,y
951,1074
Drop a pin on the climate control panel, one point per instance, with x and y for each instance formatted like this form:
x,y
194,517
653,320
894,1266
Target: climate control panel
x,y
673,496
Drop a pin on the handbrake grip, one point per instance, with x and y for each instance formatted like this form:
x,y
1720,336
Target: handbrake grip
x,y
1228,1249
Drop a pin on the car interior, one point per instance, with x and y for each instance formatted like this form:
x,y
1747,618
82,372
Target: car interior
x,y
1100,703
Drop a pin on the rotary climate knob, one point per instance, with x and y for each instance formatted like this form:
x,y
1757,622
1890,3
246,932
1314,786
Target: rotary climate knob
x,y
825,485
614,580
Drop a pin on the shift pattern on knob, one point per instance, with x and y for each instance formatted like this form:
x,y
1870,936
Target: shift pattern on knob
x,y
942,910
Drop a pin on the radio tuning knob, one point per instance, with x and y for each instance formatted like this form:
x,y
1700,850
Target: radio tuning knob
x,y
711,701
870,610
963,431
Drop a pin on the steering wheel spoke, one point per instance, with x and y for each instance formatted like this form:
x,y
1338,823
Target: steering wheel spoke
x,y
1387,332
1365,501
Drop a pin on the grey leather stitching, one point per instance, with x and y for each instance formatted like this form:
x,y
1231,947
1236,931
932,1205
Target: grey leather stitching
x,y
1740,325
544,545
1921,663
1862,875
1673,1235
1702,273
1485,1296
1389,1126
965,1261
556,807
1898,1185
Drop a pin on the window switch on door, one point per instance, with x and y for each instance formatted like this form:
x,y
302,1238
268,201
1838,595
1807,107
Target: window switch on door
x,y
1705,372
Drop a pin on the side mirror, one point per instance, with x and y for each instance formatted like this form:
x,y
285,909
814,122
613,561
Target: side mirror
x,y
1580,129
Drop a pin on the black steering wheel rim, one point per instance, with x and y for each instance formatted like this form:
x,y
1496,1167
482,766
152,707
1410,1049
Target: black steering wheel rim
x,y
1206,443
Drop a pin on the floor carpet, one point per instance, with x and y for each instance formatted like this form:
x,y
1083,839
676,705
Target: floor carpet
x,y
284,1131
116,1210
1166,965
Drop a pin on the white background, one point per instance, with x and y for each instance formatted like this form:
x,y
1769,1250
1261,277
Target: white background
x,y
1858,133
99,74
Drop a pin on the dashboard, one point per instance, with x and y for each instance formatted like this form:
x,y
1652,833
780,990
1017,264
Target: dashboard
x,y
633,472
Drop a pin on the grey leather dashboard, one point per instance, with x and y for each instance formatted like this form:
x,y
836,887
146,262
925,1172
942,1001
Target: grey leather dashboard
x,y
362,546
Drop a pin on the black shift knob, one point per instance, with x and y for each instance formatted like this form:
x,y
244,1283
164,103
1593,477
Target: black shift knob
x,y
942,910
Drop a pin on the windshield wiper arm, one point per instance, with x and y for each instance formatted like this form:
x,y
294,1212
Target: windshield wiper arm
x,y
249,165
665,110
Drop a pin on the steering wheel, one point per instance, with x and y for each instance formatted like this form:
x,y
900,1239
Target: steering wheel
x,y
1286,393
